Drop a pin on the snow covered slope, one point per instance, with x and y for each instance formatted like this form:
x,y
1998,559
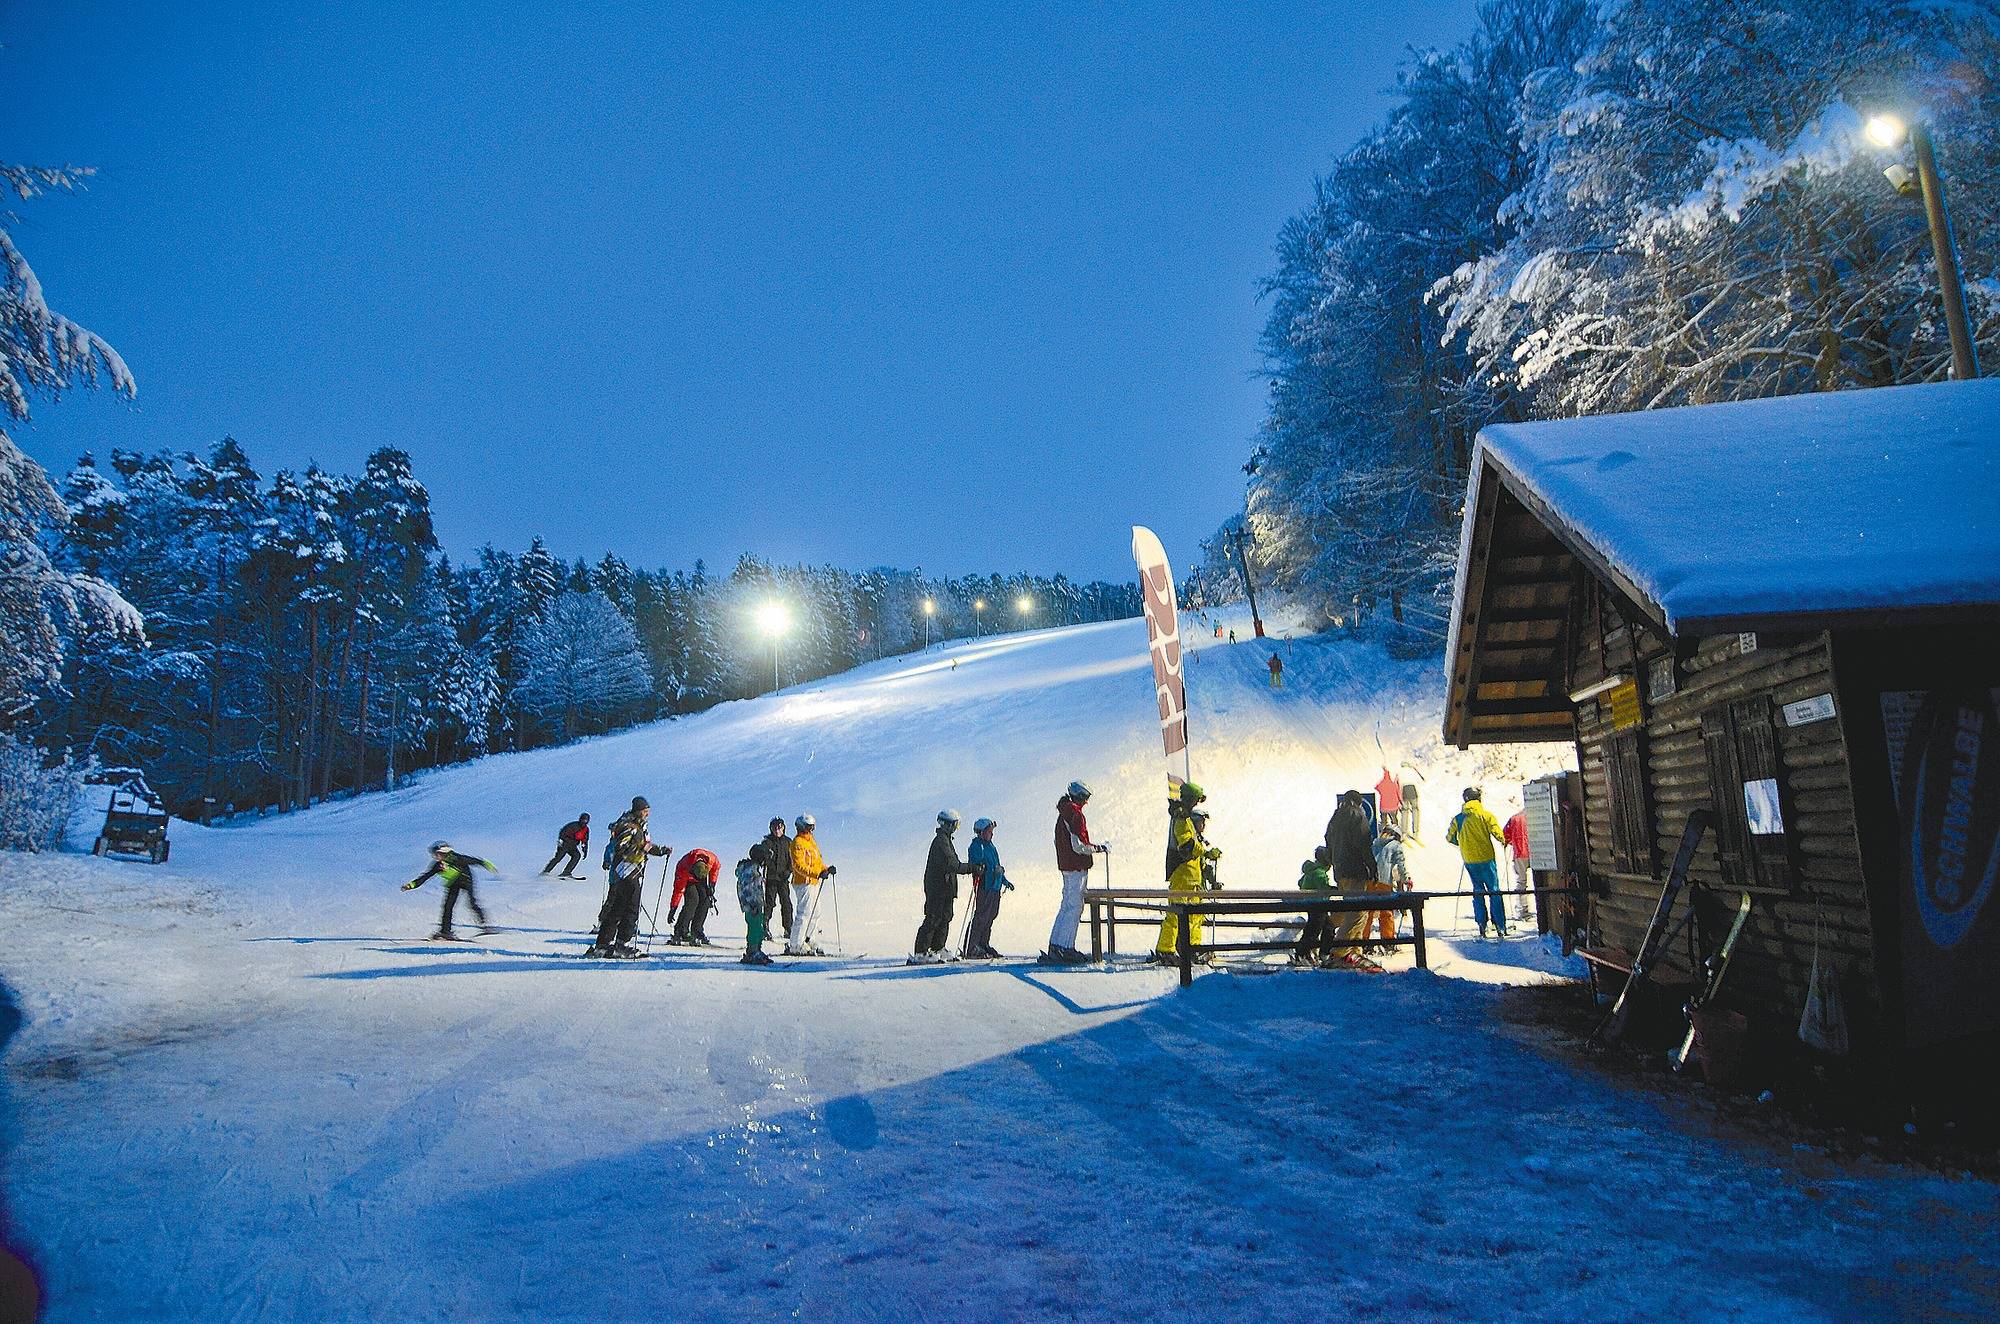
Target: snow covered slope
x,y
244,1092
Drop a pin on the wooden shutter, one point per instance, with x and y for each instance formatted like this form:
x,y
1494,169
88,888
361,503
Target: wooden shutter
x,y
1725,794
1756,736
1632,848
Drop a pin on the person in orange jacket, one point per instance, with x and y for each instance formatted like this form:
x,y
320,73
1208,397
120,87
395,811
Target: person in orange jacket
x,y
809,867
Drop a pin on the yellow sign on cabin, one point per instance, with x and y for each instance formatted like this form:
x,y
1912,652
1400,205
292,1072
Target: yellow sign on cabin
x,y
1621,703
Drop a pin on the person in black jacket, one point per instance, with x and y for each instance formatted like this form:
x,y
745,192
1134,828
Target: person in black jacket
x,y
777,875
941,874
454,868
571,842
1350,849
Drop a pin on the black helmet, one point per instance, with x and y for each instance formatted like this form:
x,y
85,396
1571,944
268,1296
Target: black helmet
x,y
1472,793
640,802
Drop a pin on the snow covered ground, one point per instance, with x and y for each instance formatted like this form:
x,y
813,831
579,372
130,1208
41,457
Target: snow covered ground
x,y
245,1091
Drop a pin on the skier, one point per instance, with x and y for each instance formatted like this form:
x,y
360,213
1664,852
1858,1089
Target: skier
x,y
777,876
1350,854
1389,798
570,845
750,898
1516,835
1475,832
1075,854
694,894
1392,874
1189,857
1277,665
941,873
456,872
809,868
989,880
629,849
1314,945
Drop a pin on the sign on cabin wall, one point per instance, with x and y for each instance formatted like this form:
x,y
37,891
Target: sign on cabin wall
x,y
1944,765
1621,705
1806,711
1661,681
1538,803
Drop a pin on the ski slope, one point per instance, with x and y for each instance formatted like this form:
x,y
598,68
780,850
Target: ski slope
x,y
245,1090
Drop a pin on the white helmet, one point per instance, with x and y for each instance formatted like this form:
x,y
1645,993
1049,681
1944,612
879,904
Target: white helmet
x,y
804,823
948,818
440,847
1078,791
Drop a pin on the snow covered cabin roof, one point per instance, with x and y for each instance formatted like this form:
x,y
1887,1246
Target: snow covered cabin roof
x,y
1840,509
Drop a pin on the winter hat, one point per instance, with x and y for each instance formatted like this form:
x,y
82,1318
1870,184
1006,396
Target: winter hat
x,y
1078,791
640,802
1472,793
583,817
985,823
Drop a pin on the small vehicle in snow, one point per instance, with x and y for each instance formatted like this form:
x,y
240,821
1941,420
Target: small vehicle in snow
x,y
135,822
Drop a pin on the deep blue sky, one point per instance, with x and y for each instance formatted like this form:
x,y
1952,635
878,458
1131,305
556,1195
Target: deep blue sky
x,y
913,286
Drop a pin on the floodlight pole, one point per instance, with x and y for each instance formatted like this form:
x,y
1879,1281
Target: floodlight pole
x,y
1964,359
1249,589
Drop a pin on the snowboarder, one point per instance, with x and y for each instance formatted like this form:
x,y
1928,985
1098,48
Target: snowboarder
x,y
1075,854
1189,858
989,880
1277,665
1315,945
1516,836
1392,874
1476,832
455,870
942,869
777,876
1350,853
750,899
809,868
629,849
694,896
571,842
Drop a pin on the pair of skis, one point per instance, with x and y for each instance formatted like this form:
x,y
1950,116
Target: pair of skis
x,y
1713,970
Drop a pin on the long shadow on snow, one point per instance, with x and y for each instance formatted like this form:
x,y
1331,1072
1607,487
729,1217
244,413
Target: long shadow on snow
x,y
1244,1147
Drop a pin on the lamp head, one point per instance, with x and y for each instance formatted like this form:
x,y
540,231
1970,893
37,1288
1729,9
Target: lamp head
x,y
1886,130
774,618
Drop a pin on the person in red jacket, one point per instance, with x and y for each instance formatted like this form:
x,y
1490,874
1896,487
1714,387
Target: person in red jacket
x,y
571,843
1075,853
1516,836
694,896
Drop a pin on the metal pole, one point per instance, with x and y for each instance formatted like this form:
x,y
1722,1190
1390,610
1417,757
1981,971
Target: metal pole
x,y
1249,589
774,664
1964,360
1186,945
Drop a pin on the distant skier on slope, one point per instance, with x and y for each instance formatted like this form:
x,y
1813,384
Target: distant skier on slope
x,y
1476,832
1277,665
571,843
777,876
455,870
1189,860
989,881
750,899
942,870
1075,854
809,870
694,897
631,846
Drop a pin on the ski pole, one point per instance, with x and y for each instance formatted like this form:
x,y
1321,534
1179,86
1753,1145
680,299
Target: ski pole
x,y
838,946
965,933
653,922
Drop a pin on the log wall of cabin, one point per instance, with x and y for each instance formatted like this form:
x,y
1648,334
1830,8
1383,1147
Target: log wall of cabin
x,y
1772,965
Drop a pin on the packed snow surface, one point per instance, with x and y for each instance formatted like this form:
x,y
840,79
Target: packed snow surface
x,y
1838,501
247,1090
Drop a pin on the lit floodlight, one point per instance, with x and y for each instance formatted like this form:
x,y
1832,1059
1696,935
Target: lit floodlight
x,y
1886,130
979,604
930,608
1024,604
774,618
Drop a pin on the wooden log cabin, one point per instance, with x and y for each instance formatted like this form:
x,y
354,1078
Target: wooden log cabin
x,y
1785,611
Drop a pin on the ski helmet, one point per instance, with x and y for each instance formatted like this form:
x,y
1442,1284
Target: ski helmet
x,y
440,847
805,823
1078,791
948,818
985,823
1472,793
1192,794
583,817
1199,815
778,823
640,802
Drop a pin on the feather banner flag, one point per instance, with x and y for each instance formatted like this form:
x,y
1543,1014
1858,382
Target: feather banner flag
x,y
1163,638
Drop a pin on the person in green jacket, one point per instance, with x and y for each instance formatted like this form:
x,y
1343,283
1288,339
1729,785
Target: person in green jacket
x,y
1477,834
455,870
1316,939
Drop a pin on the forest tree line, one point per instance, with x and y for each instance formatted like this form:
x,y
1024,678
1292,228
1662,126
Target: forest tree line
x,y
1595,207
305,637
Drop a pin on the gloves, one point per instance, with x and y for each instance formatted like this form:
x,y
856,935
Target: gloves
x,y
671,912
1103,848
827,872
411,887
1006,886
1214,853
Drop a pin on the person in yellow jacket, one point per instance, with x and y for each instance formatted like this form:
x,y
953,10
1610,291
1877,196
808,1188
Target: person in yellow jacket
x,y
1477,834
1190,861
808,868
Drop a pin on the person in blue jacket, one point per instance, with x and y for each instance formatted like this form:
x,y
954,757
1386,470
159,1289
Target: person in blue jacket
x,y
989,880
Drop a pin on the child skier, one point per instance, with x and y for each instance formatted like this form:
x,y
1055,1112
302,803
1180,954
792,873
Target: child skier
x,y
1314,880
456,871
989,880
750,899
